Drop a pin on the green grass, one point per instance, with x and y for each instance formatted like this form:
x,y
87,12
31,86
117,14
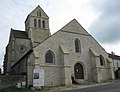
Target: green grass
x,y
15,89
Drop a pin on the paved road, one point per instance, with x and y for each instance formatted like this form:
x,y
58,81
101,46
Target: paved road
x,y
113,87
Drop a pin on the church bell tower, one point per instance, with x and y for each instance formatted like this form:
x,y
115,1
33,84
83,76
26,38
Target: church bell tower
x,y
37,26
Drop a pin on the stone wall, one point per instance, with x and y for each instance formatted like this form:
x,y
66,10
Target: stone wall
x,y
11,80
67,39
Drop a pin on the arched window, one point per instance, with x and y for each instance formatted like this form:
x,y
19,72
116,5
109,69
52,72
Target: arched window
x,y
43,24
35,22
49,57
39,23
38,13
78,70
102,60
77,45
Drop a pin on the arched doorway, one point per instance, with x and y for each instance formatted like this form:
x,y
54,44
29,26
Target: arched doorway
x,y
78,70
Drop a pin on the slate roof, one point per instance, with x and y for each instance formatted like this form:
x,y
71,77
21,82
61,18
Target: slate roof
x,y
19,34
114,56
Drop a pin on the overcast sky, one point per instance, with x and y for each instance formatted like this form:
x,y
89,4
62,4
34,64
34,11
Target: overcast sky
x,y
99,17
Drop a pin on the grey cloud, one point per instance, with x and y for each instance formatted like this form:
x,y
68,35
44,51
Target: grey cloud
x,y
107,27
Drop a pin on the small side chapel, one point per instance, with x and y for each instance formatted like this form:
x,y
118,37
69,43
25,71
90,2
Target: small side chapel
x,y
71,55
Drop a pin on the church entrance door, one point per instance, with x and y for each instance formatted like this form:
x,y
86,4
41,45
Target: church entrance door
x,y
78,70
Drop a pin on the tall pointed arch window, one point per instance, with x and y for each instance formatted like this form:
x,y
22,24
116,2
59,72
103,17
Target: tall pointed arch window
x,y
39,23
77,46
35,22
49,57
102,60
43,24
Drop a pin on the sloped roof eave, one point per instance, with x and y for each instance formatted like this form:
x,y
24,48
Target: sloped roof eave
x,y
64,49
94,52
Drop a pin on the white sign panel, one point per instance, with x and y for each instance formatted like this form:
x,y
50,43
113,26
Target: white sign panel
x,y
38,77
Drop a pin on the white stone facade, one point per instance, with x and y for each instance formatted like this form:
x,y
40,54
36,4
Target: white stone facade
x,y
93,71
88,62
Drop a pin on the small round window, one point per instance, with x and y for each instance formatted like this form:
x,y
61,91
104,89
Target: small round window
x,y
22,48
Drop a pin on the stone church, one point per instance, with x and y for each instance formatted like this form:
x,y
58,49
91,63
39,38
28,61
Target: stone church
x,y
71,55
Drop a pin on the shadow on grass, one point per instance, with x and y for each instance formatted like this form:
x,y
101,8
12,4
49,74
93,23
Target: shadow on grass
x,y
15,89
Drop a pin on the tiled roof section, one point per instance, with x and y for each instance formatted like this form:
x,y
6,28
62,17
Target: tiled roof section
x,y
114,56
19,34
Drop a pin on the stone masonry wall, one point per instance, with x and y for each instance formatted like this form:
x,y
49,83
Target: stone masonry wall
x,y
11,80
